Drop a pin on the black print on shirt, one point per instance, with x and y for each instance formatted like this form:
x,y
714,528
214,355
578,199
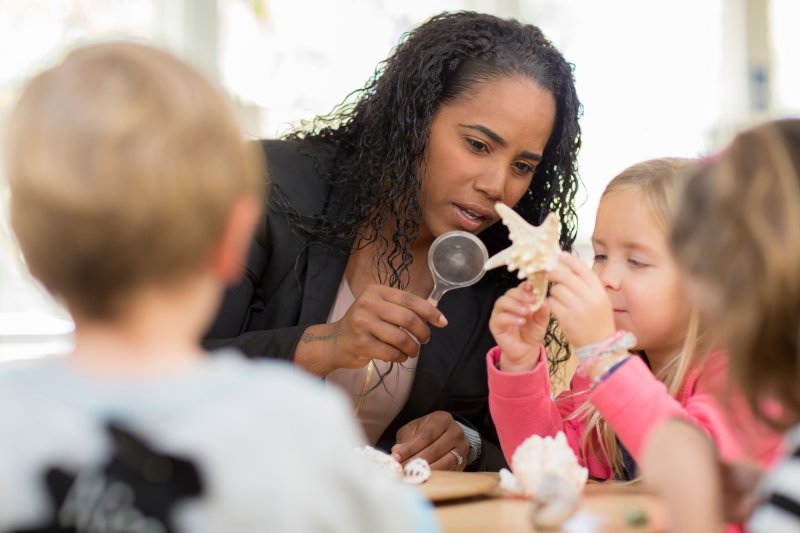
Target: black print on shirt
x,y
135,492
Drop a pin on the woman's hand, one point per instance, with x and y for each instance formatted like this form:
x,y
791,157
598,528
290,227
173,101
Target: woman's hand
x,y
383,323
518,331
579,302
432,437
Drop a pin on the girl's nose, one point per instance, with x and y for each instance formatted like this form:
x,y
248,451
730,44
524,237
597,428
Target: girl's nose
x,y
609,275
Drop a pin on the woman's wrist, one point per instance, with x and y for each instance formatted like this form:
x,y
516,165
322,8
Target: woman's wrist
x,y
313,350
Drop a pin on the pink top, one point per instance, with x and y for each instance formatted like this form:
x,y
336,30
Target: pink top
x,y
633,402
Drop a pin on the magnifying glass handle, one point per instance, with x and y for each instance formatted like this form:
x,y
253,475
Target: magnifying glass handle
x,y
437,293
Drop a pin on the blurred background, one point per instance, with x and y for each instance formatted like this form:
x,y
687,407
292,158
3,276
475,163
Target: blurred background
x,y
656,78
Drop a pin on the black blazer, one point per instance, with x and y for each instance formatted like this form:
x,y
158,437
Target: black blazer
x,y
291,284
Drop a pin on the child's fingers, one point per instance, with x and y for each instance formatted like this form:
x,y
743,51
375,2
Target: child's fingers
x,y
567,293
510,301
563,275
502,322
521,297
524,290
559,310
511,306
578,268
543,313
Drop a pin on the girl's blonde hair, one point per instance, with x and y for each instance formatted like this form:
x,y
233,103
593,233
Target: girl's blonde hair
x,y
659,181
737,233
124,164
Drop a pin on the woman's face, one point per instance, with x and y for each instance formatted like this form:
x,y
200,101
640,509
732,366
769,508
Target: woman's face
x,y
483,149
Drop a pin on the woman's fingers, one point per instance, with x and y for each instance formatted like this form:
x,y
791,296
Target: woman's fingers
x,y
431,438
421,307
393,336
389,324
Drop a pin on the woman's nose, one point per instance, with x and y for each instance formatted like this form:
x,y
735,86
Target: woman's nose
x,y
492,183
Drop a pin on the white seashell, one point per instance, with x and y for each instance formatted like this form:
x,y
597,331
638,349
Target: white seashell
x,y
383,460
546,471
556,504
508,482
416,471
538,460
533,252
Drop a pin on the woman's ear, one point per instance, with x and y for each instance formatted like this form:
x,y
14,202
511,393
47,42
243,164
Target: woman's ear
x,y
230,256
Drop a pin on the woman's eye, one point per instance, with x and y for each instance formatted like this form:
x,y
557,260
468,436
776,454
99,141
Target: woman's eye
x,y
476,145
523,168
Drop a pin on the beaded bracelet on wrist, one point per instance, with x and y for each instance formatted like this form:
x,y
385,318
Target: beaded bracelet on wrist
x,y
609,348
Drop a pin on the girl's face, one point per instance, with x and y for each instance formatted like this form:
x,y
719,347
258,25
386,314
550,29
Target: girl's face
x,y
641,278
483,149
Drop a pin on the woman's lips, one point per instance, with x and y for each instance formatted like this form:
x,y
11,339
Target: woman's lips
x,y
470,218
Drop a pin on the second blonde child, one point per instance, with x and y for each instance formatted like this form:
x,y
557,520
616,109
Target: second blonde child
x,y
737,237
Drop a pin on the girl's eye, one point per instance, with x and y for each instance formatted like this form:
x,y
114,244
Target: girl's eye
x,y
636,263
523,168
476,145
599,258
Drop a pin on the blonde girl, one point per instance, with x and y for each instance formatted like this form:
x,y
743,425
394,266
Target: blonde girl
x,y
642,358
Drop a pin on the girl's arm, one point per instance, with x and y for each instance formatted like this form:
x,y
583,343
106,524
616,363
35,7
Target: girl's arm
x,y
520,400
521,405
679,463
634,402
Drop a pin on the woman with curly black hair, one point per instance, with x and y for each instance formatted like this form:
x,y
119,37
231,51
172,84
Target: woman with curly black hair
x,y
469,110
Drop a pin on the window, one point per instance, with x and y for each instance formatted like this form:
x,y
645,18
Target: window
x,y
653,87
39,32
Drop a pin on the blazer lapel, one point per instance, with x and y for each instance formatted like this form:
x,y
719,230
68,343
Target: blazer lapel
x,y
442,355
324,272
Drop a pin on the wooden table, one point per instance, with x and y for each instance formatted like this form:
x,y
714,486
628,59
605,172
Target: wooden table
x,y
603,508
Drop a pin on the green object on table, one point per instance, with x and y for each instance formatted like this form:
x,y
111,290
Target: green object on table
x,y
635,516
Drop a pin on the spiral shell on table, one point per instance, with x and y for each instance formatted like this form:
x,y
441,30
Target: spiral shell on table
x,y
415,472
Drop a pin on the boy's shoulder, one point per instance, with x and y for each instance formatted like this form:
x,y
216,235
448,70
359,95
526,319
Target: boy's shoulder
x,y
227,371
16,377
279,390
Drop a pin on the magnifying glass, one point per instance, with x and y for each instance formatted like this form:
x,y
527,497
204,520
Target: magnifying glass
x,y
456,260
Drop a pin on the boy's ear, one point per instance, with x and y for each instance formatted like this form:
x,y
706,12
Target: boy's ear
x,y
230,257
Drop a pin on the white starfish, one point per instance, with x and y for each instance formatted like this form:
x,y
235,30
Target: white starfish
x,y
533,252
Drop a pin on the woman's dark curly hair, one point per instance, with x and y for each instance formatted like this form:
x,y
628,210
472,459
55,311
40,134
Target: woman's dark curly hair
x,y
381,133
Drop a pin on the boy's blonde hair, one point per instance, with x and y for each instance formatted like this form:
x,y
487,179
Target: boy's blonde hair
x,y
659,182
738,233
124,164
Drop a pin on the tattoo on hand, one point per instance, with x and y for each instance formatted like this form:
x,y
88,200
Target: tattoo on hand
x,y
310,337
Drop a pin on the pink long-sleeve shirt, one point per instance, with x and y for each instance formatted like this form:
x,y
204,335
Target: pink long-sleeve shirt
x,y
633,401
